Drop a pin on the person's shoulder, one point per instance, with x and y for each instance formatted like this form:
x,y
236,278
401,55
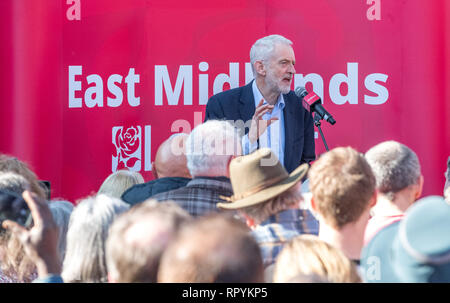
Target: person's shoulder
x,y
291,96
233,93
140,187
140,192
163,195
224,104
378,223
172,180
169,183
173,193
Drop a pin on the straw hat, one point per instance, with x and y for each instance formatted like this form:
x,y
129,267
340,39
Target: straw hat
x,y
253,182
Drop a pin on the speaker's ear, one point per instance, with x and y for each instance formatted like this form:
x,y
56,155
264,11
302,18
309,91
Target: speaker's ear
x,y
419,187
260,68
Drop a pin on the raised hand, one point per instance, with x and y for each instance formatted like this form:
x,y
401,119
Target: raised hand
x,y
41,241
259,125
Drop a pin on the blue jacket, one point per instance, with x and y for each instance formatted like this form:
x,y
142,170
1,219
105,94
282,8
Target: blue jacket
x,y
141,192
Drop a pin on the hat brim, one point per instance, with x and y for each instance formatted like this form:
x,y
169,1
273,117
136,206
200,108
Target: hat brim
x,y
270,192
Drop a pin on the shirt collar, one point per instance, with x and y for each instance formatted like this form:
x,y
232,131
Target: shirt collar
x,y
258,96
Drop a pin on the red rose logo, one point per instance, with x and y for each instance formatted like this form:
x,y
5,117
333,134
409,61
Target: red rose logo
x,y
127,143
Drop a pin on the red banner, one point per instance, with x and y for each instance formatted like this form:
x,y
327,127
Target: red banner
x,y
91,86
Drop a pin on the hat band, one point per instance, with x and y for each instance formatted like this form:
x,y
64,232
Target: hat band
x,y
254,190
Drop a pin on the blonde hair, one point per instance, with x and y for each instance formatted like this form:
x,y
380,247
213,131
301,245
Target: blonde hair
x,y
308,255
118,182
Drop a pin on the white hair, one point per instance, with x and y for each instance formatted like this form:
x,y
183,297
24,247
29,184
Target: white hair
x,y
263,48
210,146
118,182
61,211
394,165
88,230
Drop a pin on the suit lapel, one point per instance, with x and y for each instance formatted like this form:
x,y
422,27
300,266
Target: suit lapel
x,y
289,129
247,103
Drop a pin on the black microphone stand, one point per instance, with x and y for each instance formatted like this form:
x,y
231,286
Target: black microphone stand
x,y
317,123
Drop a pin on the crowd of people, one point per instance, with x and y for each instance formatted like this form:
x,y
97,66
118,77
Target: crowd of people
x,y
242,202
212,215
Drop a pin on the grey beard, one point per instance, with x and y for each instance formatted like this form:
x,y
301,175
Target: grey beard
x,y
285,90
278,88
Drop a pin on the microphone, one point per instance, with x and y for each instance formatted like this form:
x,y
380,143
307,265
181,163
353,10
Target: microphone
x,y
312,103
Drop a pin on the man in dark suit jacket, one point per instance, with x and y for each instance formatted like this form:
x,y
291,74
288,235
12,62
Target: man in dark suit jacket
x,y
267,99
169,169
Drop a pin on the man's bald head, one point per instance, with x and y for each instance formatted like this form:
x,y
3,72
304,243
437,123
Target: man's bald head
x,y
170,159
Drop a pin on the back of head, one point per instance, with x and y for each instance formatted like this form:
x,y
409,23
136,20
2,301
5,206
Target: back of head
x,y
86,237
263,48
61,211
212,249
170,159
13,182
138,238
311,278
342,184
289,199
11,164
210,146
118,182
395,167
308,255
